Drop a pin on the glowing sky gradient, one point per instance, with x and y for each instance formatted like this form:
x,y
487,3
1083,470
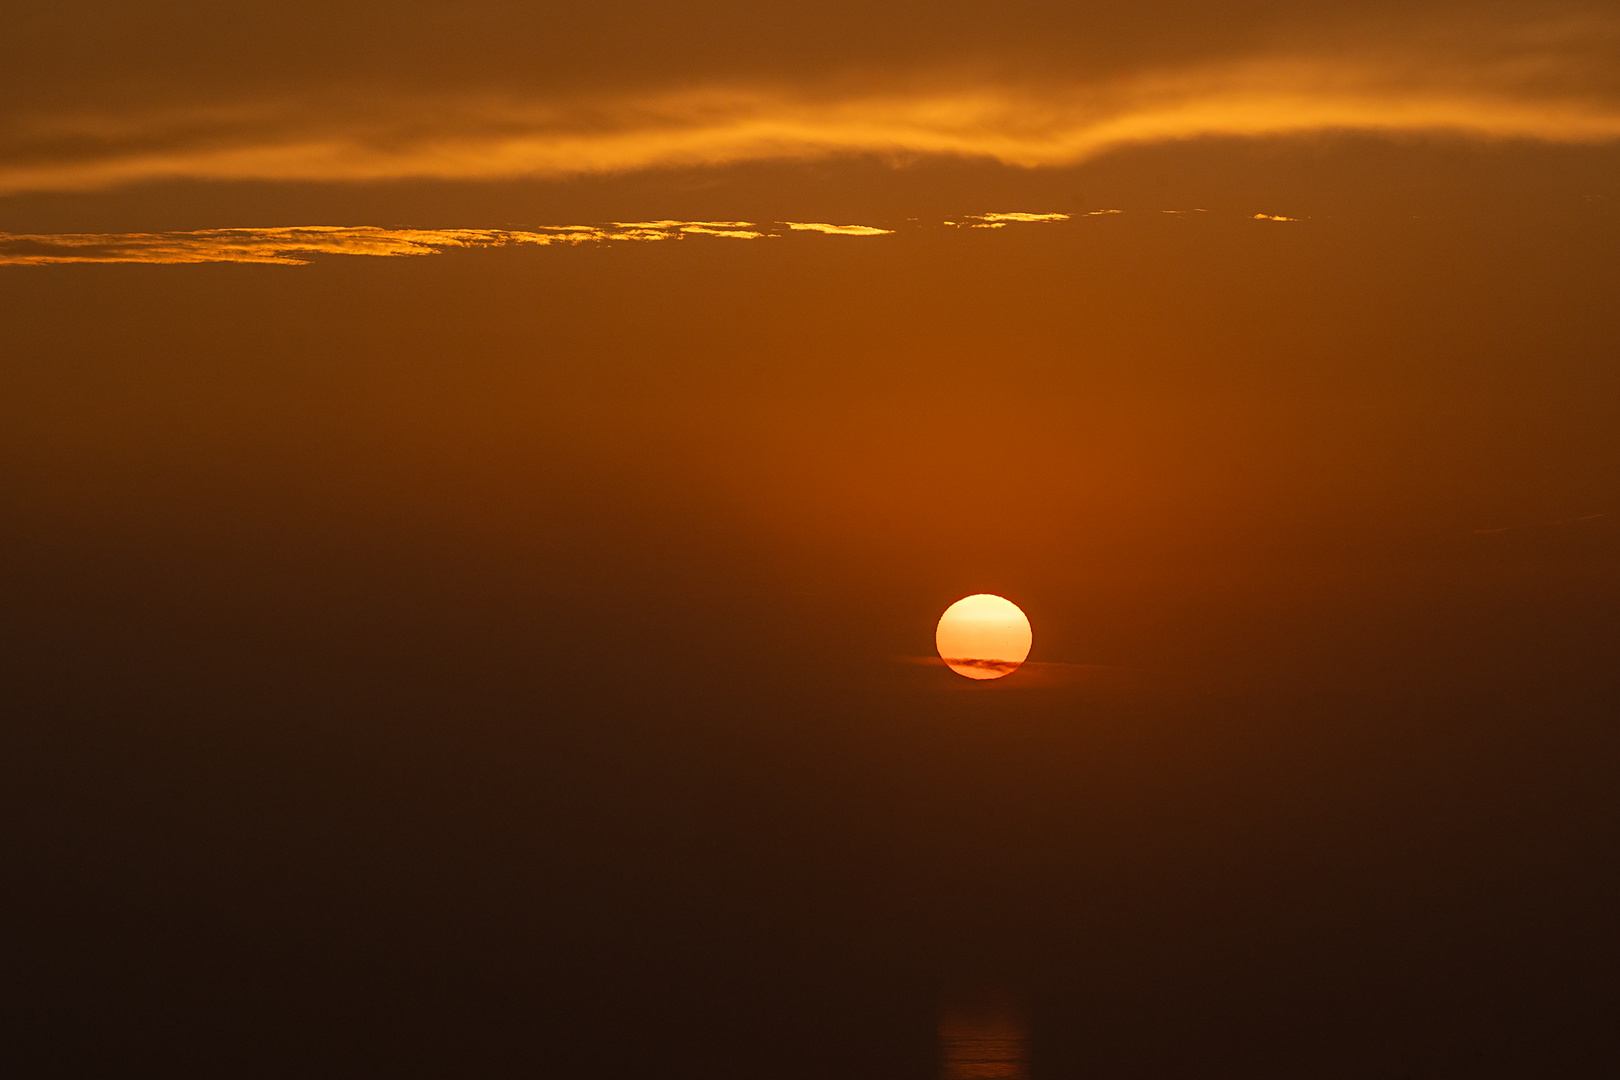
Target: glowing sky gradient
x,y
479,478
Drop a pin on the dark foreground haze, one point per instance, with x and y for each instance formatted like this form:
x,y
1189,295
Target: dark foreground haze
x,y
514,661
493,663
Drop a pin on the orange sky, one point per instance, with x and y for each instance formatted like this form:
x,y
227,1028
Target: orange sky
x,y
476,481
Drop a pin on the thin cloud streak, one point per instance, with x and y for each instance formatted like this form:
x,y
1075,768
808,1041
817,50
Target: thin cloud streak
x,y
287,246
1523,86
734,234
292,246
1017,216
1001,221
837,230
279,246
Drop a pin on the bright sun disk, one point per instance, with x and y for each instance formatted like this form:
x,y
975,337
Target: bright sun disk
x,y
983,637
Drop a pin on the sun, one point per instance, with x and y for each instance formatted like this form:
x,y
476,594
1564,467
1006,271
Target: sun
x,y
983,637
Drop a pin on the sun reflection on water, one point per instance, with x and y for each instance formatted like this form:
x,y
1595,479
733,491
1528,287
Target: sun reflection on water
x,y
984,1042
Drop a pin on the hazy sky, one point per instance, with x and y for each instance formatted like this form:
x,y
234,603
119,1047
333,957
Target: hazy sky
x,y
478,482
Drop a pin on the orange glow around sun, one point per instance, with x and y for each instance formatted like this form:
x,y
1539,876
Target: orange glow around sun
x,y
983,637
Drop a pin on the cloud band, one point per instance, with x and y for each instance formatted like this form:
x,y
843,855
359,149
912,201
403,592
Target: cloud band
x,y
1526,95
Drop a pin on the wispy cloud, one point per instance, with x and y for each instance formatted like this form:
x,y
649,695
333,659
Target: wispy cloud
x,y
294,245
734,234
290,246
1047,675
283,246
996,667
1000,221
837,230
1020,217
1549,81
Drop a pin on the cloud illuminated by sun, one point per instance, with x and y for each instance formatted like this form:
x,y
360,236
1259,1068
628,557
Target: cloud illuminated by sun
x,y
837,230
1013,126
294,245
1503,82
